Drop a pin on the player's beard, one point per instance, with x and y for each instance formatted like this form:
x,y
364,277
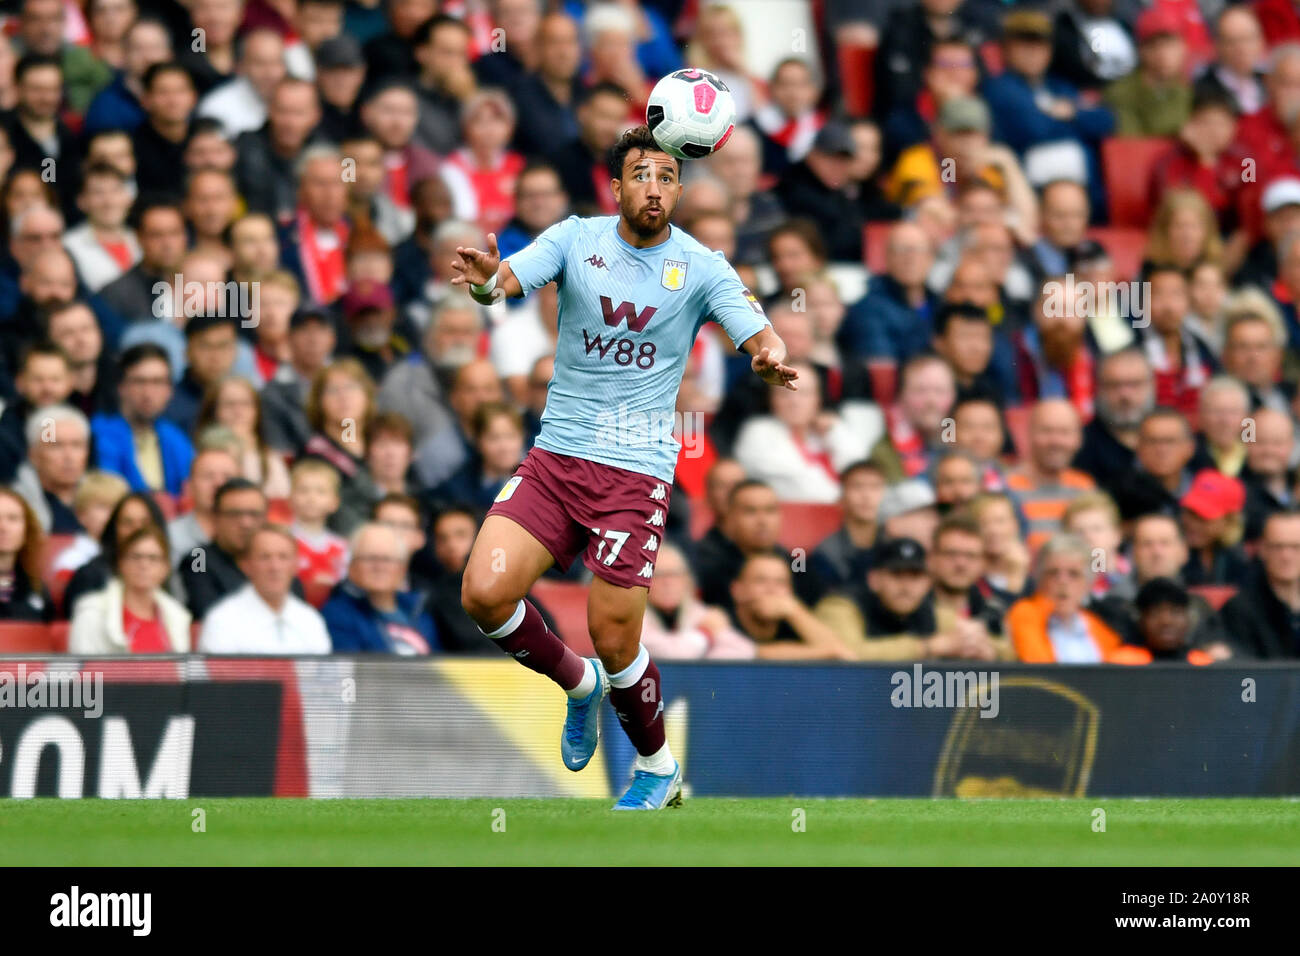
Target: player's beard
x,y
636,221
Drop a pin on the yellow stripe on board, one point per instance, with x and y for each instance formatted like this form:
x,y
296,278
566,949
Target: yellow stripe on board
x,y
529,711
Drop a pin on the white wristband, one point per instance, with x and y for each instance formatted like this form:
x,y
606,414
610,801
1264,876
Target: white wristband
x,y
484,289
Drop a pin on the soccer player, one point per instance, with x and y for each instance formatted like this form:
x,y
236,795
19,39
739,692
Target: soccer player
x,y
633,292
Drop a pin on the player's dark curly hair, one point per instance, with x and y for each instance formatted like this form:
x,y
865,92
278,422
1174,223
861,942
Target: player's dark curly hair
x,y
639,137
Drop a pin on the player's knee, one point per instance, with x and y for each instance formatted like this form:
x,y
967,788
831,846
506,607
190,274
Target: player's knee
x,y
615,635
483,596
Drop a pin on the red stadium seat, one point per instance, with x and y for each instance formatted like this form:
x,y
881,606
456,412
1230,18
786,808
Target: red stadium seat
x,y
24,638
857,79
566,601
1126,168
1016,419
196,628
701,520
59,636
317,593
279,511
874,237
1126,246
1216,595
884,380
805,526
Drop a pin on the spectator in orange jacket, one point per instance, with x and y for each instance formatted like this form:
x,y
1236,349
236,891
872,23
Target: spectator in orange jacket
x,y
1051,626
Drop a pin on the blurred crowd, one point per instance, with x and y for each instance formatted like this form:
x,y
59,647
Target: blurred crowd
x,y
245,410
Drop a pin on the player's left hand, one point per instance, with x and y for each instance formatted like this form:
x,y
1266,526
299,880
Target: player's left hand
x,y
770,370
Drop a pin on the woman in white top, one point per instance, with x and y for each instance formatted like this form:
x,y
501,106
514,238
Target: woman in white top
x,y
132,614
800,449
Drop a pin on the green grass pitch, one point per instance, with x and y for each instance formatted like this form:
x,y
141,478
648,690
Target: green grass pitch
x,y
1153,832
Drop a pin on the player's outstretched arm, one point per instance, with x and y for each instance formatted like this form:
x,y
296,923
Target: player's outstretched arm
x,y
769,353
483,274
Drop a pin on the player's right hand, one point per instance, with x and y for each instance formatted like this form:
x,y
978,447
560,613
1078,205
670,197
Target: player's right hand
x,y
474,266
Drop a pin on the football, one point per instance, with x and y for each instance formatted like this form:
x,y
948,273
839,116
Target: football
x,y
691,113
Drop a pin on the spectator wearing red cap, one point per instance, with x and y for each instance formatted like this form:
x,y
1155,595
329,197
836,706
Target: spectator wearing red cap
x,y
1155,99
379,338
1212,521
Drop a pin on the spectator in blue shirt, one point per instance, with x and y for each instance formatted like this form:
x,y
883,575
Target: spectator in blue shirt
x,y
118,106
368,612
893,321
139,444
1033,110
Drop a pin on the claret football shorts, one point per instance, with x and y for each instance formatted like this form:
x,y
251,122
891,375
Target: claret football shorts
x,y
571,505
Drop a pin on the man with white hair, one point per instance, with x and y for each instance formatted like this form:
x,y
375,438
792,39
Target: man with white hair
x,y
1225,404
58,451
369,612
263,616
1254,339
442,251
418,387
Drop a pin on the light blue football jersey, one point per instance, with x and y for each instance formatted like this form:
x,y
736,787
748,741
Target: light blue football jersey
x,y
627,321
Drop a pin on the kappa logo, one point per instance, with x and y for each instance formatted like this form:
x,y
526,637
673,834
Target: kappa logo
x,y
657,519
595,260
652,544
659,494
647,572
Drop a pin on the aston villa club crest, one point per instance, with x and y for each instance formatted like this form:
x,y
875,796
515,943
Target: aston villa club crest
x,y
674,276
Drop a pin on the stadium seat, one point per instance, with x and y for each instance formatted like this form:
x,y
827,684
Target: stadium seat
x,y
1216,595
874,237
279,511
59,636
701,520
1016,419
316,593
20,637
566,601
806,526
1126,169
884,381
857,80
1126,245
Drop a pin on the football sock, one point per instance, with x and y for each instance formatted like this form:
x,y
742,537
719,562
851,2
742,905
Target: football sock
x,y
529,641
660,763
638,701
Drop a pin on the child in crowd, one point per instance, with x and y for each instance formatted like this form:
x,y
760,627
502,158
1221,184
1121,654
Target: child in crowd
x,y
313,497
96,497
